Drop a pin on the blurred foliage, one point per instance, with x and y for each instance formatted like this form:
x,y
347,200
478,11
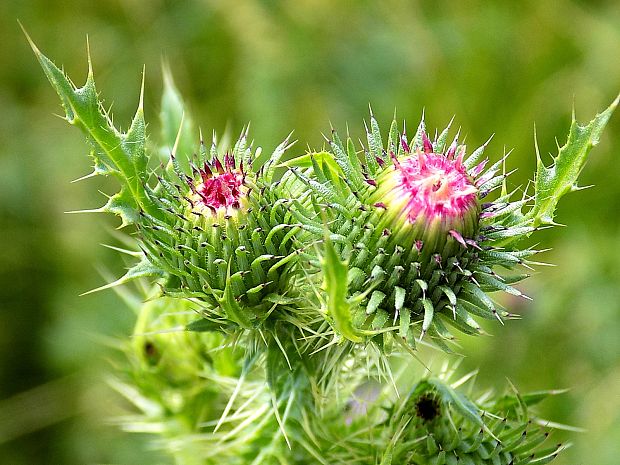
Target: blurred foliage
x,y
499,67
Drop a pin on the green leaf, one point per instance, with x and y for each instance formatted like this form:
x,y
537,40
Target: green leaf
x,y
274,159
335,283
231,307
473,294
552,182
113,151
508,402
342,158
174,118
405,319
461,403
305,161
205,325
429,311
375,300
449,294
122,204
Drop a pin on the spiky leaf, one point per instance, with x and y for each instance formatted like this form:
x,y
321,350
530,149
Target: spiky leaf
x,y
113,151
552,182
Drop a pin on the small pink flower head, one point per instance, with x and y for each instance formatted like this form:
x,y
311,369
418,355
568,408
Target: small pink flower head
x,y
222,186
432,192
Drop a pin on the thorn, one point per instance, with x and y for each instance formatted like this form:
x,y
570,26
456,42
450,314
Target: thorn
x,y
177,140
404,144
94,210
35,49
395,161
90,76
450,123
87,176
427,144
141,100
451,151
218,166
479,168
459,238
473,243
460,154
206,173
247,130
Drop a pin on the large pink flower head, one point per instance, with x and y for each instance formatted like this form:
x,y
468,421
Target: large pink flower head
x,y
435,186
430,196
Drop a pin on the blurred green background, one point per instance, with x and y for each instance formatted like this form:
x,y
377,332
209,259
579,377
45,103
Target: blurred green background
x,y
500,67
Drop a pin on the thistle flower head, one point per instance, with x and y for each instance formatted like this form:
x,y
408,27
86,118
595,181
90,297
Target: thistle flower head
x,y
222,186
432,185
223,238
431,192
405,242
407,228
440,422
444,423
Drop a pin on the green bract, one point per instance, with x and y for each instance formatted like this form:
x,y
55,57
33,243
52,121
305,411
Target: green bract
x,y
238,259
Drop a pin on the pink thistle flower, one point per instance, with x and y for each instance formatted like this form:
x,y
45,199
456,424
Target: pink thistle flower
x,y
435,186
222,186
433,193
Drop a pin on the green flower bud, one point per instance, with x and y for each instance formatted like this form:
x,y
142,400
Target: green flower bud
x,y
443,426
225,237
407,227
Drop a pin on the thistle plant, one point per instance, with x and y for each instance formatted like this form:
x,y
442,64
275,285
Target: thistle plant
x,y
280,302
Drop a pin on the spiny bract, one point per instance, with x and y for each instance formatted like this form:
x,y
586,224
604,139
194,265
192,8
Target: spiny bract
x,y
441,426
213,225
185,387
